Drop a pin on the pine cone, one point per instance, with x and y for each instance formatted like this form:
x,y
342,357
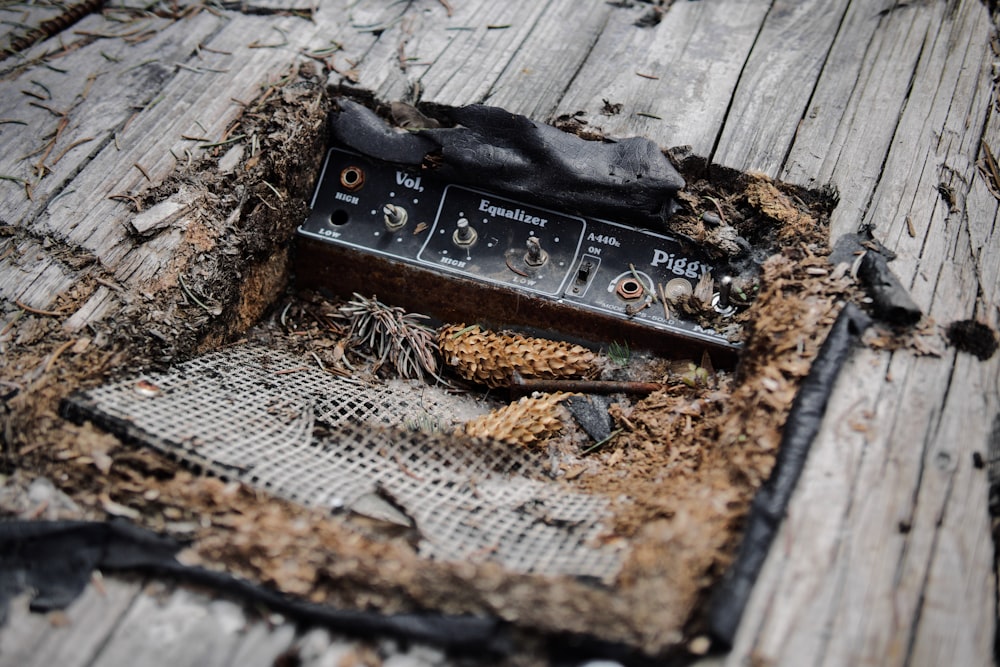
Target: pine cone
x,y
493,358
528,422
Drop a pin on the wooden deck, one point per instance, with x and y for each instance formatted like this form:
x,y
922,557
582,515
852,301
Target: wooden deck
x,y
886,556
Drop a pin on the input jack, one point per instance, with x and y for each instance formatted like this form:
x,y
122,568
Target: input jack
x,y
630,289
352,178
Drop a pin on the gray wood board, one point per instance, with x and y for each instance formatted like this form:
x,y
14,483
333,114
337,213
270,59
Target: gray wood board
x,y
181,628
138,109
695,54
19,19
426,54
886,554
68,639
777,82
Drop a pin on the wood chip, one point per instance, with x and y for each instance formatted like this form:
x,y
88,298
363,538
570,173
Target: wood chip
x,y
162,215
117,509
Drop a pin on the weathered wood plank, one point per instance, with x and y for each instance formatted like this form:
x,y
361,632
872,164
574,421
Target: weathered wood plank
x,y
777,83
318,648
521,58
846,146
696,54
476,58
547,62
879,511
176,628
71,638
890,532
798,586
955,624
99,88
261,645
453,60
942,126
380,70
188,92
21,18
866,34
954,75
30,274
982,219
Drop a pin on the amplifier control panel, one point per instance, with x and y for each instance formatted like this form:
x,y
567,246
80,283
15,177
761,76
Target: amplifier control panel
x,y
407,219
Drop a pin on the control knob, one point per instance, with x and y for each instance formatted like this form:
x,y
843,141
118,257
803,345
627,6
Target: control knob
x,y
394,217
465,235
535,256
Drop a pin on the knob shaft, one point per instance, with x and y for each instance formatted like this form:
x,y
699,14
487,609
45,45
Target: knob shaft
x,y
394,217
465,235
535,256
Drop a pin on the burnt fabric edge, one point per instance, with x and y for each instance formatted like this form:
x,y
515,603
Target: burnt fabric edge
x,y
732,594
891,302
56,558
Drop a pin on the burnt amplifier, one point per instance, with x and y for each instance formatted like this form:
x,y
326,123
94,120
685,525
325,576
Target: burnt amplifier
x,y
465,255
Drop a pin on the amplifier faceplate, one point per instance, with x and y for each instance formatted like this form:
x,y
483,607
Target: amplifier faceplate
x,y
586,264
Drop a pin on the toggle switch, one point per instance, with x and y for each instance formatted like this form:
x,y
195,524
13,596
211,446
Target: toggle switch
x,y
394,217
585,272
535,256
465,235
721,301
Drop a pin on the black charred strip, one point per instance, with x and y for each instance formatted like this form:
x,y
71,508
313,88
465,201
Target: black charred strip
x,y
768,508
55,559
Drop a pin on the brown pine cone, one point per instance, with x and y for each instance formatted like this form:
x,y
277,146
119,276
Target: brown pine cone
x,y
527,422
493,358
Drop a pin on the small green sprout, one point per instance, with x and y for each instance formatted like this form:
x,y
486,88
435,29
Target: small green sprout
x,y
619,353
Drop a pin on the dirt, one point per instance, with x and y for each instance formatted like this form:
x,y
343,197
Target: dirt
x,y
681,467
974,337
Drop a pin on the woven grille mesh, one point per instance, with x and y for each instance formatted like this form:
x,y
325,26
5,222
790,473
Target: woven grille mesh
x,y
268,419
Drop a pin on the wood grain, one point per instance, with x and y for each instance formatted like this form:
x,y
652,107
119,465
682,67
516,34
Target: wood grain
x,y
71,638
20,21
696,54
891,510
175,627
170,107
776,84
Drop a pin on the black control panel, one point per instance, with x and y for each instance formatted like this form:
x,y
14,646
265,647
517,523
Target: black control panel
x,y
568,261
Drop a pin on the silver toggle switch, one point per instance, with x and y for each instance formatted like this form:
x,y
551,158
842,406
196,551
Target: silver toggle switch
x,y
535,256
394,217
465,234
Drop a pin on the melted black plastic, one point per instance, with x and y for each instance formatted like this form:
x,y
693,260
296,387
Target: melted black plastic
x,y
629,180
891,302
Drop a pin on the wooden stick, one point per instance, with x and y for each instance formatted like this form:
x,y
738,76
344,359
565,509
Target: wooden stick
x,y
522,385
